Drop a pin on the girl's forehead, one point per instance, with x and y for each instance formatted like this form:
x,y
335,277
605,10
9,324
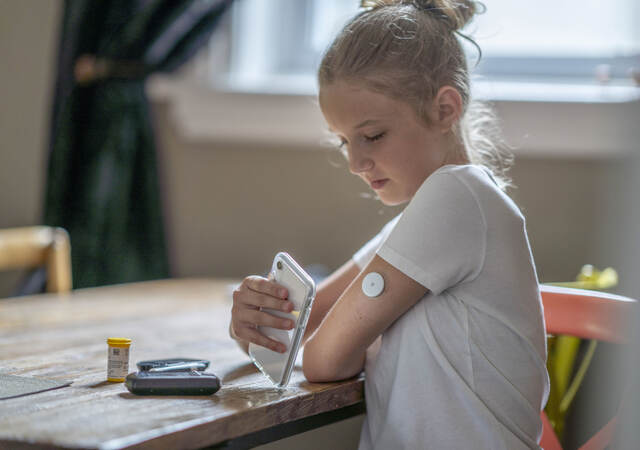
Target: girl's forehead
x,y
346,101
341,88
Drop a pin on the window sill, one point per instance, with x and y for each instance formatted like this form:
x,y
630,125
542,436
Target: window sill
x,y
555,91
538,120
504,90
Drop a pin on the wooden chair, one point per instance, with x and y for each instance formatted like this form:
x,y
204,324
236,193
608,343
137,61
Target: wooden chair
x,y
31,247
587,315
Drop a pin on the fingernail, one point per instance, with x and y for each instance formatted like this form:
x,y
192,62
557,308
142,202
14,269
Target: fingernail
x,y
282,293
286,306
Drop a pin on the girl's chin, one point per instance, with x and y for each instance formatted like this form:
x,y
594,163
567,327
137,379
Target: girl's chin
x,y
388,195
391,200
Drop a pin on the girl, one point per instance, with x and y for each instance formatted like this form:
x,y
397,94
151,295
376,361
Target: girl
x,y
454,347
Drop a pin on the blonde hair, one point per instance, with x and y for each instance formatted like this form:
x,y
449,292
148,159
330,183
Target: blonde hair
x,y
408,50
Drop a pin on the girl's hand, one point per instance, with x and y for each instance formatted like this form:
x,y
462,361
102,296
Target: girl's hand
x,y
254,294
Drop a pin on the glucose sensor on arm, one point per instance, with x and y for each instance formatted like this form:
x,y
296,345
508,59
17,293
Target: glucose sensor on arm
x,y
372,284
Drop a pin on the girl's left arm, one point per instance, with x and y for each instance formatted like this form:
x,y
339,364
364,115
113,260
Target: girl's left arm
x,y
337,349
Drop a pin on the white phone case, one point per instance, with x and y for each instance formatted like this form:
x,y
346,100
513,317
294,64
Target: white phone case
x,y
302,290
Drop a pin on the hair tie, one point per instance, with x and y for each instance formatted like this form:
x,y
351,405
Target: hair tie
x,y
433,7
438,10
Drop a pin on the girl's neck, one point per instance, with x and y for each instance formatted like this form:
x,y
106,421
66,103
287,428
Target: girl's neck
x,y
457,153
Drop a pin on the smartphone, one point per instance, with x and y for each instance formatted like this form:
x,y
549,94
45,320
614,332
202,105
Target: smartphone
x,y
190,382
276,366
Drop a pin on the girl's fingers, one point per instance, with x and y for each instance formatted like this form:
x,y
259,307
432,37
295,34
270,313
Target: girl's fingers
x,y
254,294
253,335
265,286
264,319
255,301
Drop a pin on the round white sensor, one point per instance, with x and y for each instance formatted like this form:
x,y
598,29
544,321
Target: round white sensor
x,y
372,284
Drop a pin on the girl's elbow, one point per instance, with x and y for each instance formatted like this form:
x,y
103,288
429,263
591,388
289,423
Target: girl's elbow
x,y
316,374
317,366
321,368
313,368
313,375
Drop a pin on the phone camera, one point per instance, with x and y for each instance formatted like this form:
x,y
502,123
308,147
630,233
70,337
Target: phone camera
x,y
279,265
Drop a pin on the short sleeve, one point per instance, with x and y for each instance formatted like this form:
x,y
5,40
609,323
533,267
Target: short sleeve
x,y
364,256
440,239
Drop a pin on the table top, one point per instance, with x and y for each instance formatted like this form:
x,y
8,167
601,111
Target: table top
x,y
63,337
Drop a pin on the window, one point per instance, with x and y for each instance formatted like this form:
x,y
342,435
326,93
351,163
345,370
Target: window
x,y
277,44
564,39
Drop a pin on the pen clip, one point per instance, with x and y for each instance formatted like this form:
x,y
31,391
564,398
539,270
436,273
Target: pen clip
x,y
184,366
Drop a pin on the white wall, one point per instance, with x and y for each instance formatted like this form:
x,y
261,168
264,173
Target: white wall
x,y
28,45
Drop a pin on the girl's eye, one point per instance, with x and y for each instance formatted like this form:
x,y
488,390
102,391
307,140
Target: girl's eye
x,y
374,138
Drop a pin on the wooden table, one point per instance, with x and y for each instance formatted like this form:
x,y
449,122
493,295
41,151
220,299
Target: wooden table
x,y
64,337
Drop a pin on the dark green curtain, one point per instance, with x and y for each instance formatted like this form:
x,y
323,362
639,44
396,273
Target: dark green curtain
x,y
102,183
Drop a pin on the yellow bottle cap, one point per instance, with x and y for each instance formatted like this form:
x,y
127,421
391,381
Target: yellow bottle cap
x,y
119,342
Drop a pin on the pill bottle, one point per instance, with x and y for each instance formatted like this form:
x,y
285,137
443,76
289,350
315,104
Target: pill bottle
x,y
118,359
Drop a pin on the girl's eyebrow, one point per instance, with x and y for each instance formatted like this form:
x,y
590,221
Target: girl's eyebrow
x,y
360,125
365,123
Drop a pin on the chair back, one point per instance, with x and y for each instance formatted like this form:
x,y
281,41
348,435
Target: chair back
x,y
31,247
588,315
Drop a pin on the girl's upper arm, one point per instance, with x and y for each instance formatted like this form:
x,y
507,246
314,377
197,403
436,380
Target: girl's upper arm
x,y
337,349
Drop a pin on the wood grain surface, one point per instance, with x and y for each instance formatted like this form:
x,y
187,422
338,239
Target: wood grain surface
x,y
64,337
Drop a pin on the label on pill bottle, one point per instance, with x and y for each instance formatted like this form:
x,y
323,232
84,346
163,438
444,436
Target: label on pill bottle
x,y
118,363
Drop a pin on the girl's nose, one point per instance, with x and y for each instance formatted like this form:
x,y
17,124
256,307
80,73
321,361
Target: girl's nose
x,y
359,163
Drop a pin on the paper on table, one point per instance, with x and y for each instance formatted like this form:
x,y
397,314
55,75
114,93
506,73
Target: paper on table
x,y
12,386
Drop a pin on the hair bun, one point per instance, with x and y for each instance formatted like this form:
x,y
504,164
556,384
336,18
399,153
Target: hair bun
x,y
458,13
377,3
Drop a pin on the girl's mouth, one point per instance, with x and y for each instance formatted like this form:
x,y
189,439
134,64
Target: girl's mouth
x,y
378,184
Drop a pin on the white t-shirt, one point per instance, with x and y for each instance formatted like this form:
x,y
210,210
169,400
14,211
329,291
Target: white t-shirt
x,y
464,368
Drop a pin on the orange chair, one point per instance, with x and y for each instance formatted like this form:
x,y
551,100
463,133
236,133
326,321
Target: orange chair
x,y
588,315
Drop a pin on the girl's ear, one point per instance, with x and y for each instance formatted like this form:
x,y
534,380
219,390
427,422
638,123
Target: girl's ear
x,y
446,108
